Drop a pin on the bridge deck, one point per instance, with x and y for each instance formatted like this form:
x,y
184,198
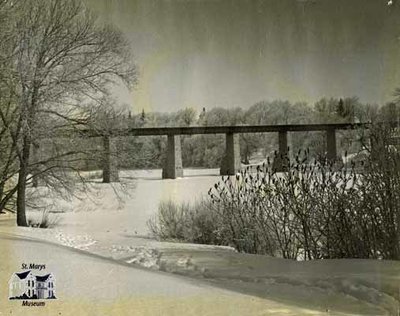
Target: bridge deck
x,y
231,162
238,129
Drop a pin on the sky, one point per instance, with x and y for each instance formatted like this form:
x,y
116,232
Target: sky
x,y
230,53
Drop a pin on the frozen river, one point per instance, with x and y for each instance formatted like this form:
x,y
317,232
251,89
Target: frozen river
x,y
127,206
150,190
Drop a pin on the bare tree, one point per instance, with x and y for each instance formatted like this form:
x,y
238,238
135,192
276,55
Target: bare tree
x,y
8,107
63,59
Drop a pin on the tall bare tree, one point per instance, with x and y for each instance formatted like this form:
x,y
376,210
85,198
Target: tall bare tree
x,y
63,59
8,108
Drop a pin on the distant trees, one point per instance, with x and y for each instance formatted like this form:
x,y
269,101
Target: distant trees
x,y
59,62
333,110
390,112
143,117
207,150
186,117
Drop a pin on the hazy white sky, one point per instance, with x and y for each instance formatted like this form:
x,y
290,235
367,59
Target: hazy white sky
x,y
206,53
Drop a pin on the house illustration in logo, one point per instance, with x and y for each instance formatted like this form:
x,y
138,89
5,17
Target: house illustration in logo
x,y
25,285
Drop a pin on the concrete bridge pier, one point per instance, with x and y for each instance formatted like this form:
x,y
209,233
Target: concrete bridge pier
x,y
231,161
331,148
281,162
110,162
173,163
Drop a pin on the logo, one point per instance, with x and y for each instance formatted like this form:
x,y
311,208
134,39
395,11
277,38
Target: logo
x,y
28,286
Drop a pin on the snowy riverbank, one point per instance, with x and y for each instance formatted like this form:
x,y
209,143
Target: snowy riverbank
x,y
113,226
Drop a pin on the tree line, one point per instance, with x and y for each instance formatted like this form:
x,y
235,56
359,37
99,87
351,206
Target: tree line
x,y
207,150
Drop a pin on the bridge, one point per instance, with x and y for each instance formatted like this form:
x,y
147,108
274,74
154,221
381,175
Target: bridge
x,y
231,162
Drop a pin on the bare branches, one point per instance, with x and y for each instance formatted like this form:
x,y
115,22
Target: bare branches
x,y
315,210
56,58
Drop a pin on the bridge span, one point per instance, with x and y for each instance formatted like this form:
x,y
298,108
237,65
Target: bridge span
x,y
231,162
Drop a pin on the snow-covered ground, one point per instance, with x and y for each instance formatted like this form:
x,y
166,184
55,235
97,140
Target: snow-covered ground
x,y
90,285
114,226
127,206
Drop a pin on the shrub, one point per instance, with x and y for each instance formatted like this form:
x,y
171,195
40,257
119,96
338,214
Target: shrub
x,y
45,221
318,209
191,223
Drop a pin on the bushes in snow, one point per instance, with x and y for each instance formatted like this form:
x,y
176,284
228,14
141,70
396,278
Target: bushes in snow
x,y
195,223
43,221
315,210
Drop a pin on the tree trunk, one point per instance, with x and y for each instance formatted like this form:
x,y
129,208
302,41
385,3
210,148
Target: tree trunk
x,y
21,188
1,197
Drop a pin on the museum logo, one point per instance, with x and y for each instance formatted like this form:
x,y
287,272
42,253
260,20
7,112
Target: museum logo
x,y
27,286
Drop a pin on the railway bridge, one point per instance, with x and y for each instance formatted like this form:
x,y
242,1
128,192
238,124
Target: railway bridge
x,y
231,162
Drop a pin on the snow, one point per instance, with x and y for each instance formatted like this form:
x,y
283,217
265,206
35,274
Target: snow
x,y
115,227
90,285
